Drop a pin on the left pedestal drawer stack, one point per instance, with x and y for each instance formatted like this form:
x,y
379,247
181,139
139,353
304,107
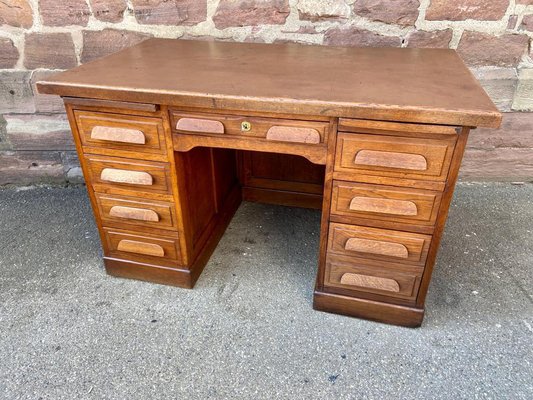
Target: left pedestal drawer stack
x,y
128,170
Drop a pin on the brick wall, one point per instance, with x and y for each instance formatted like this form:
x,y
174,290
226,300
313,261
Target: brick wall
x,y
40,36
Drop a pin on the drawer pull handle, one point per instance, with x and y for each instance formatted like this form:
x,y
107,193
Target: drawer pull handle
x,y
389,159
377,247
140,214
384,206
147,249
200,125
372,282
126,176
293,134
123,135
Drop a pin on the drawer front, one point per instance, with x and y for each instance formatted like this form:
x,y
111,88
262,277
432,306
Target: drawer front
x,y
385,203
386,280
141,247
400,157
121,132
379,244
279,130
145,176
136,212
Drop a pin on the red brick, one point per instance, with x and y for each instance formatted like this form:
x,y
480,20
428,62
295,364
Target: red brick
x,y
433,39
98,44
400,12
38,132
250,13
312,10
109,10
357,37
49,50
9,54
16,13
28,167
64,13
45,103
15,92
478,49
516,131
511,24
498,164
499,83
526,2
527,23
460,10
170,12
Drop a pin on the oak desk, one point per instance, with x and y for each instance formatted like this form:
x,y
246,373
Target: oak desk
x,y
173,134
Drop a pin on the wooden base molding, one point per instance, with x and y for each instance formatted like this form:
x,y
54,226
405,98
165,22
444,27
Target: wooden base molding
x,y
373,310
149,272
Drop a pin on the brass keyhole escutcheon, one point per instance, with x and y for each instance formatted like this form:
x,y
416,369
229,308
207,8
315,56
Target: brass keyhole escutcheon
x,y
246,126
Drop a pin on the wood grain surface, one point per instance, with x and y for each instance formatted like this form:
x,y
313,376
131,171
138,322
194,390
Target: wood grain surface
x,y
414,85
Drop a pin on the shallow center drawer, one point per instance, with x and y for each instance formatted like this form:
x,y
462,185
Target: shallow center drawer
x,y
280,130
121,132
379,244
138,212
385,203
400,157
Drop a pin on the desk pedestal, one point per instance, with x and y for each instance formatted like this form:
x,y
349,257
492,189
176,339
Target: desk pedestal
x,y
165,182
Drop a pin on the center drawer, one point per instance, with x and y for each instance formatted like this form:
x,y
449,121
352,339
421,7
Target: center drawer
x,y
385,203
120,210
272,129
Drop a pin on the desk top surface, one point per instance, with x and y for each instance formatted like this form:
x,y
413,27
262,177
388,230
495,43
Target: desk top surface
x,y
415,85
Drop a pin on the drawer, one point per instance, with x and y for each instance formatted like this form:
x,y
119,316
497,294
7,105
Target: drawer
x,y
378,244
397,157
121,132
141,247
144,176
386,203
137,212
278,130
388,279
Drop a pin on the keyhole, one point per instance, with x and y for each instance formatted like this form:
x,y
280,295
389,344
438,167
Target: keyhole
x,y
246,126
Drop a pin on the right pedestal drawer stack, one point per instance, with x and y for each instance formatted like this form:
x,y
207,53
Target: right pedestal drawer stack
x,y
391,189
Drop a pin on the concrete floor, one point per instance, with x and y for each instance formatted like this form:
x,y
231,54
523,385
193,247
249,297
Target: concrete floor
x,y
248,330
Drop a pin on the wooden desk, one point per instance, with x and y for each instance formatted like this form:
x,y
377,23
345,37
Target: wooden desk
x,y
173,134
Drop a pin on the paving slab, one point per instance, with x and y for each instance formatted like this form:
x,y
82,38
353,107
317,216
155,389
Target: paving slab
x,y
248,330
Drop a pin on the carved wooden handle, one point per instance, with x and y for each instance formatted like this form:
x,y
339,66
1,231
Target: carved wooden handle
x,y
148,249
126,176
372,282
293,134
384,206
389,159
377,247
123,135
200,125
141,214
